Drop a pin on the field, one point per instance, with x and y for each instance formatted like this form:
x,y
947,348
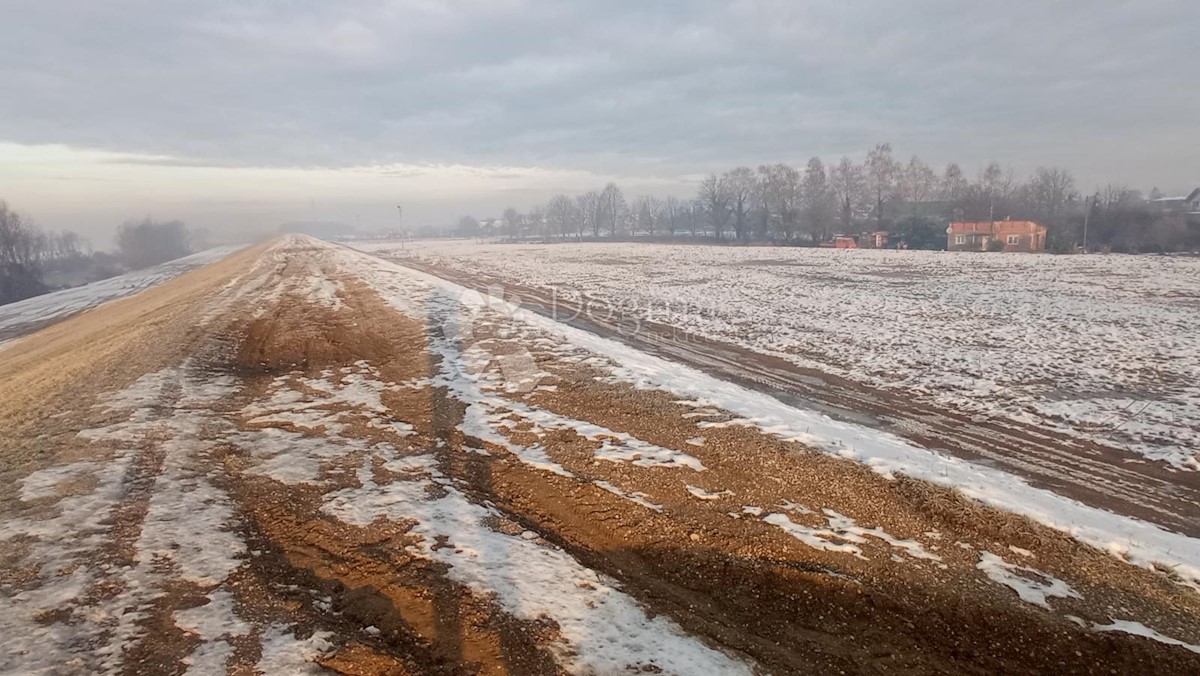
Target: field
x,y
1104,347
307,459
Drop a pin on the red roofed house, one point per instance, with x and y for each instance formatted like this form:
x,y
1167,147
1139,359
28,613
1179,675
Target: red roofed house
x,y
978,236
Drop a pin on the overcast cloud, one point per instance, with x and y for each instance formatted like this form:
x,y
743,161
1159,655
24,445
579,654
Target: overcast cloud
x,y
543,94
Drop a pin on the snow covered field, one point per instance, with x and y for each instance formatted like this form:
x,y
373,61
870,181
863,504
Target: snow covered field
x,y
39,310
1101,347
470,459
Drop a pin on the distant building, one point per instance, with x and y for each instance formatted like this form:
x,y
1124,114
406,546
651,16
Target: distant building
x,y
843,242
979,235
1179,205
873,240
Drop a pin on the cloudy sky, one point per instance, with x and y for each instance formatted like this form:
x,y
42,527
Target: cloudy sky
x,y
244,114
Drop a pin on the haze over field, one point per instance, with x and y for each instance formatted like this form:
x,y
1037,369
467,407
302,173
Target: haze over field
x,y
239,118
553,337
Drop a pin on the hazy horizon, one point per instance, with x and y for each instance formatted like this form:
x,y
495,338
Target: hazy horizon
x,y
238,119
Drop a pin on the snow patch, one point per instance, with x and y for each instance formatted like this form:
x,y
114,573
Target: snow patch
x,y
1032,586
1139,629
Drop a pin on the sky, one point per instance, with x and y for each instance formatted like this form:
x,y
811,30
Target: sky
x,y
241,115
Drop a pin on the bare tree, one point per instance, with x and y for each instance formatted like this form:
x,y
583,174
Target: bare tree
x,y
22,247
954,183
881,171
588,206
780,189
918,183
1050,190
66,246
560,214
693,212
647,209
148,242
535,223
849,189
671,214
612,204
998,186
1116,194
714,195
817,201
740,184
513,222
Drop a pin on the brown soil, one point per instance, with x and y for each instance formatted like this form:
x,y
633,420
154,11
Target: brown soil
x,y
1095,474
739,584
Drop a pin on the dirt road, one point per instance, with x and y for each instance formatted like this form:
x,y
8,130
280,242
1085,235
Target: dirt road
x,y
306,459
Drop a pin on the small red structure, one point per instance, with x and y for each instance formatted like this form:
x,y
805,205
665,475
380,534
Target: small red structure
x,y
843,242
1025,236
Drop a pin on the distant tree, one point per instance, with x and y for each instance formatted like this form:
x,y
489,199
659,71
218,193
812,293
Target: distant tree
x,y
693,211
954,184
918,183
997,184
881,172
22,246
671,215
588,207
612,204
761,210
740,185
67,246
849,188
714,195
647,209
147,242
560,215
1050,190
513,221
780,201
1116,194
817,201
535,223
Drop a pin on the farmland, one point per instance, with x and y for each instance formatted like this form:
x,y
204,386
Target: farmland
x,y
1105,348
306,459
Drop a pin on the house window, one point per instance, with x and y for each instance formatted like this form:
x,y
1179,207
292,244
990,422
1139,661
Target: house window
x,y
1014,239
960,239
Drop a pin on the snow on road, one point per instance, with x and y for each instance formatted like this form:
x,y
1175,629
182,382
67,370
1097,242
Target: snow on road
x,y
190,531
18,318
1102,347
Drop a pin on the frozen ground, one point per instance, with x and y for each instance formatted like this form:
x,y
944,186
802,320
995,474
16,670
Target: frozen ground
x,y
366,468
17,319
1105,348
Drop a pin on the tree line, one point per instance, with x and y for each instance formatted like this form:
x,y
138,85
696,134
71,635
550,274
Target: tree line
x,y
908,199
34,261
